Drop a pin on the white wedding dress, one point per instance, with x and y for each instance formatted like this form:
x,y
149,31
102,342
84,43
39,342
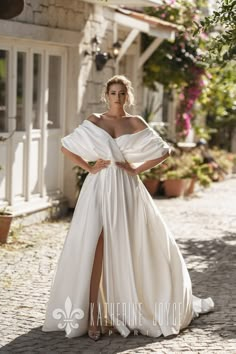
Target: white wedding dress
x,y
145,285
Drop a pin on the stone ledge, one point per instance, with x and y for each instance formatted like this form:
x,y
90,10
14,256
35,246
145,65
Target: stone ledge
x,y
40,212
41,33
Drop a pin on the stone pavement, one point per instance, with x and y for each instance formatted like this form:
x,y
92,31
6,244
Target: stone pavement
x,y
205,228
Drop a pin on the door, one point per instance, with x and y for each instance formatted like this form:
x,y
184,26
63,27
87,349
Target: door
x,y
32,110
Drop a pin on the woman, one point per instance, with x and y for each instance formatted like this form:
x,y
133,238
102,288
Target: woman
x,y
120,264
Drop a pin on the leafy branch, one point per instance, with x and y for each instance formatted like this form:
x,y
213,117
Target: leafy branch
x,y
221,27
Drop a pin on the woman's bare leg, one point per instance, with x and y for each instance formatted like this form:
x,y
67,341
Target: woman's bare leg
x,y
94,284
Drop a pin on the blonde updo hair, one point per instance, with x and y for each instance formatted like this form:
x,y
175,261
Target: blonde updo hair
x,y
119,79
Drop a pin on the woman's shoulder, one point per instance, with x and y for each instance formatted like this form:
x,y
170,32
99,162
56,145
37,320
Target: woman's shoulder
x,y
138,122
93,117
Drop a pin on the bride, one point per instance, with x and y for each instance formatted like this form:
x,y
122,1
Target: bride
x,y
120,265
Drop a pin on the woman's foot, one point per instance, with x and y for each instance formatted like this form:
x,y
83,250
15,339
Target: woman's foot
x,y
95,335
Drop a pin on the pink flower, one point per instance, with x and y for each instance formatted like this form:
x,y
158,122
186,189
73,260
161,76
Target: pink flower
x,y
186,116
201,83
203,35
208,75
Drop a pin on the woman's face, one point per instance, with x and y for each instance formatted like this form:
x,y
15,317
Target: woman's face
x,y
117,95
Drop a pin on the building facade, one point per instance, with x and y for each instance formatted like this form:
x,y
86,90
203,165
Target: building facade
x,y
49,83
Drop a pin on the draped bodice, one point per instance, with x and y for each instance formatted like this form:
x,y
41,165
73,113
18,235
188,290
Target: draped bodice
x,y
91,142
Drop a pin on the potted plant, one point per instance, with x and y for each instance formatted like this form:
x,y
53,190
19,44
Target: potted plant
x,y
6,217
173,175
198,171
81,174
174,183
150,180
204,175
192,163
182,172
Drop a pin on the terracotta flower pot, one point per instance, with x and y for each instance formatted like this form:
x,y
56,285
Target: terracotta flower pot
x,y
174,187
151,185
5,223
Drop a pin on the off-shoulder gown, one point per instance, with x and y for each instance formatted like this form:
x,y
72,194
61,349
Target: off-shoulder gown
x,y
145,285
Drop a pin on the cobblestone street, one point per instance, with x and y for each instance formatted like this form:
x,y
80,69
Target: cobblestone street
x,y
205,229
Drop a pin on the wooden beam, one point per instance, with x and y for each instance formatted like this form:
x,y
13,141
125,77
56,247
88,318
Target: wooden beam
x,y
143,26
148,52
139,3
163,33
126,44
128,21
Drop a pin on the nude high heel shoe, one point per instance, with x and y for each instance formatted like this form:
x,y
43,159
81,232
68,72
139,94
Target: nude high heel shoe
x,y
95,335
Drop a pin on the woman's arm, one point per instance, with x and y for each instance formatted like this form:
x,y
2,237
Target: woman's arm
x,y
151,163
76,159
99,165
145,166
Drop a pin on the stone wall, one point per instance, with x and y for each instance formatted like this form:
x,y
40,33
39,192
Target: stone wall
x,y
61,14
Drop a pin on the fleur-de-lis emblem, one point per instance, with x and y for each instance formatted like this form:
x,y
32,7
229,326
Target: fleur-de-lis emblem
x,y
68,316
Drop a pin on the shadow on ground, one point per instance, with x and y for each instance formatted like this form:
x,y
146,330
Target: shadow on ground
x,y
212,267
38,341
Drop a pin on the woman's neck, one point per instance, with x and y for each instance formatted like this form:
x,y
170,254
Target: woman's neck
x,y
116,112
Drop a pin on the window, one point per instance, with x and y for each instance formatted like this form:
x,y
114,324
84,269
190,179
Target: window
x,y
20,91
37,67
54,85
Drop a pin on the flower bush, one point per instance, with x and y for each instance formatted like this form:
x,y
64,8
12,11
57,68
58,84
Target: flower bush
x,y
178,65
217,105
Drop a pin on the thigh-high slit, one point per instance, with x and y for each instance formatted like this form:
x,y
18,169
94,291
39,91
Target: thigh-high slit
x,y
95,281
